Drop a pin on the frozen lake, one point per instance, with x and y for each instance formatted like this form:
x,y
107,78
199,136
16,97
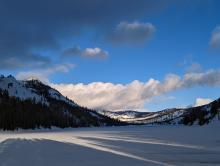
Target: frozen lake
x,y
117,146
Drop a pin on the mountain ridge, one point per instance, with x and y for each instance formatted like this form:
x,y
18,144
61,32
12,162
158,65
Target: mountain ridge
x,y
32,104
187,116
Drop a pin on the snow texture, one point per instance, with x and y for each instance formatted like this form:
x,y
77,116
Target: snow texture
x,y
118,146
19,89
144,117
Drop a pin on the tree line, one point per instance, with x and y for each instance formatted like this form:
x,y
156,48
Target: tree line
x,y
27,114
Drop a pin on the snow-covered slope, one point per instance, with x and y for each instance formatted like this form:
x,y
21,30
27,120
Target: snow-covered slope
x,y
32,104
188,116
144,117
46,106
126,115
30,89
18,89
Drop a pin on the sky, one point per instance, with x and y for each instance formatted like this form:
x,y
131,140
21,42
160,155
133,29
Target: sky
x,y
121,54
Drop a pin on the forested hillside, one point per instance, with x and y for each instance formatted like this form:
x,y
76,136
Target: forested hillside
x,y
49,109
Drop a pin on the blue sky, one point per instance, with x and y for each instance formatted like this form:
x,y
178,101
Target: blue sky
x,y
170,37
182,34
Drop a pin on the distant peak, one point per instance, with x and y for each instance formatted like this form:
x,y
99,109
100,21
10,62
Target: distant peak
x,y
33,79
9,77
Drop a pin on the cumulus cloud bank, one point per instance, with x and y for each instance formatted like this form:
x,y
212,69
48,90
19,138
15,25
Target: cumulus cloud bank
x,y
100,95
134,32
87,52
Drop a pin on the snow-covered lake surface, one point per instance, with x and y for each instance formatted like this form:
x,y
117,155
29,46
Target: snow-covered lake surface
x,y
113,146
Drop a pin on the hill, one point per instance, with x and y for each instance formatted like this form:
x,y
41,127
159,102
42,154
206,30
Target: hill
x,y
32,104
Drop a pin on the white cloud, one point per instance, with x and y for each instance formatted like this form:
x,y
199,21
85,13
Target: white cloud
x,y
208,78
87,52
93,52
194,68
135,94
215,38
202,101
43,74
134,32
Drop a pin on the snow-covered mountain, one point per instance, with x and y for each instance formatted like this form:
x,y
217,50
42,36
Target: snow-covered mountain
x,y
124,115
188,116
32,104
143,117
31,89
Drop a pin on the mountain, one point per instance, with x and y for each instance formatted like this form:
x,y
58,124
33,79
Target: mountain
x,y
135,117
201,115
32,104
188,116
126,115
